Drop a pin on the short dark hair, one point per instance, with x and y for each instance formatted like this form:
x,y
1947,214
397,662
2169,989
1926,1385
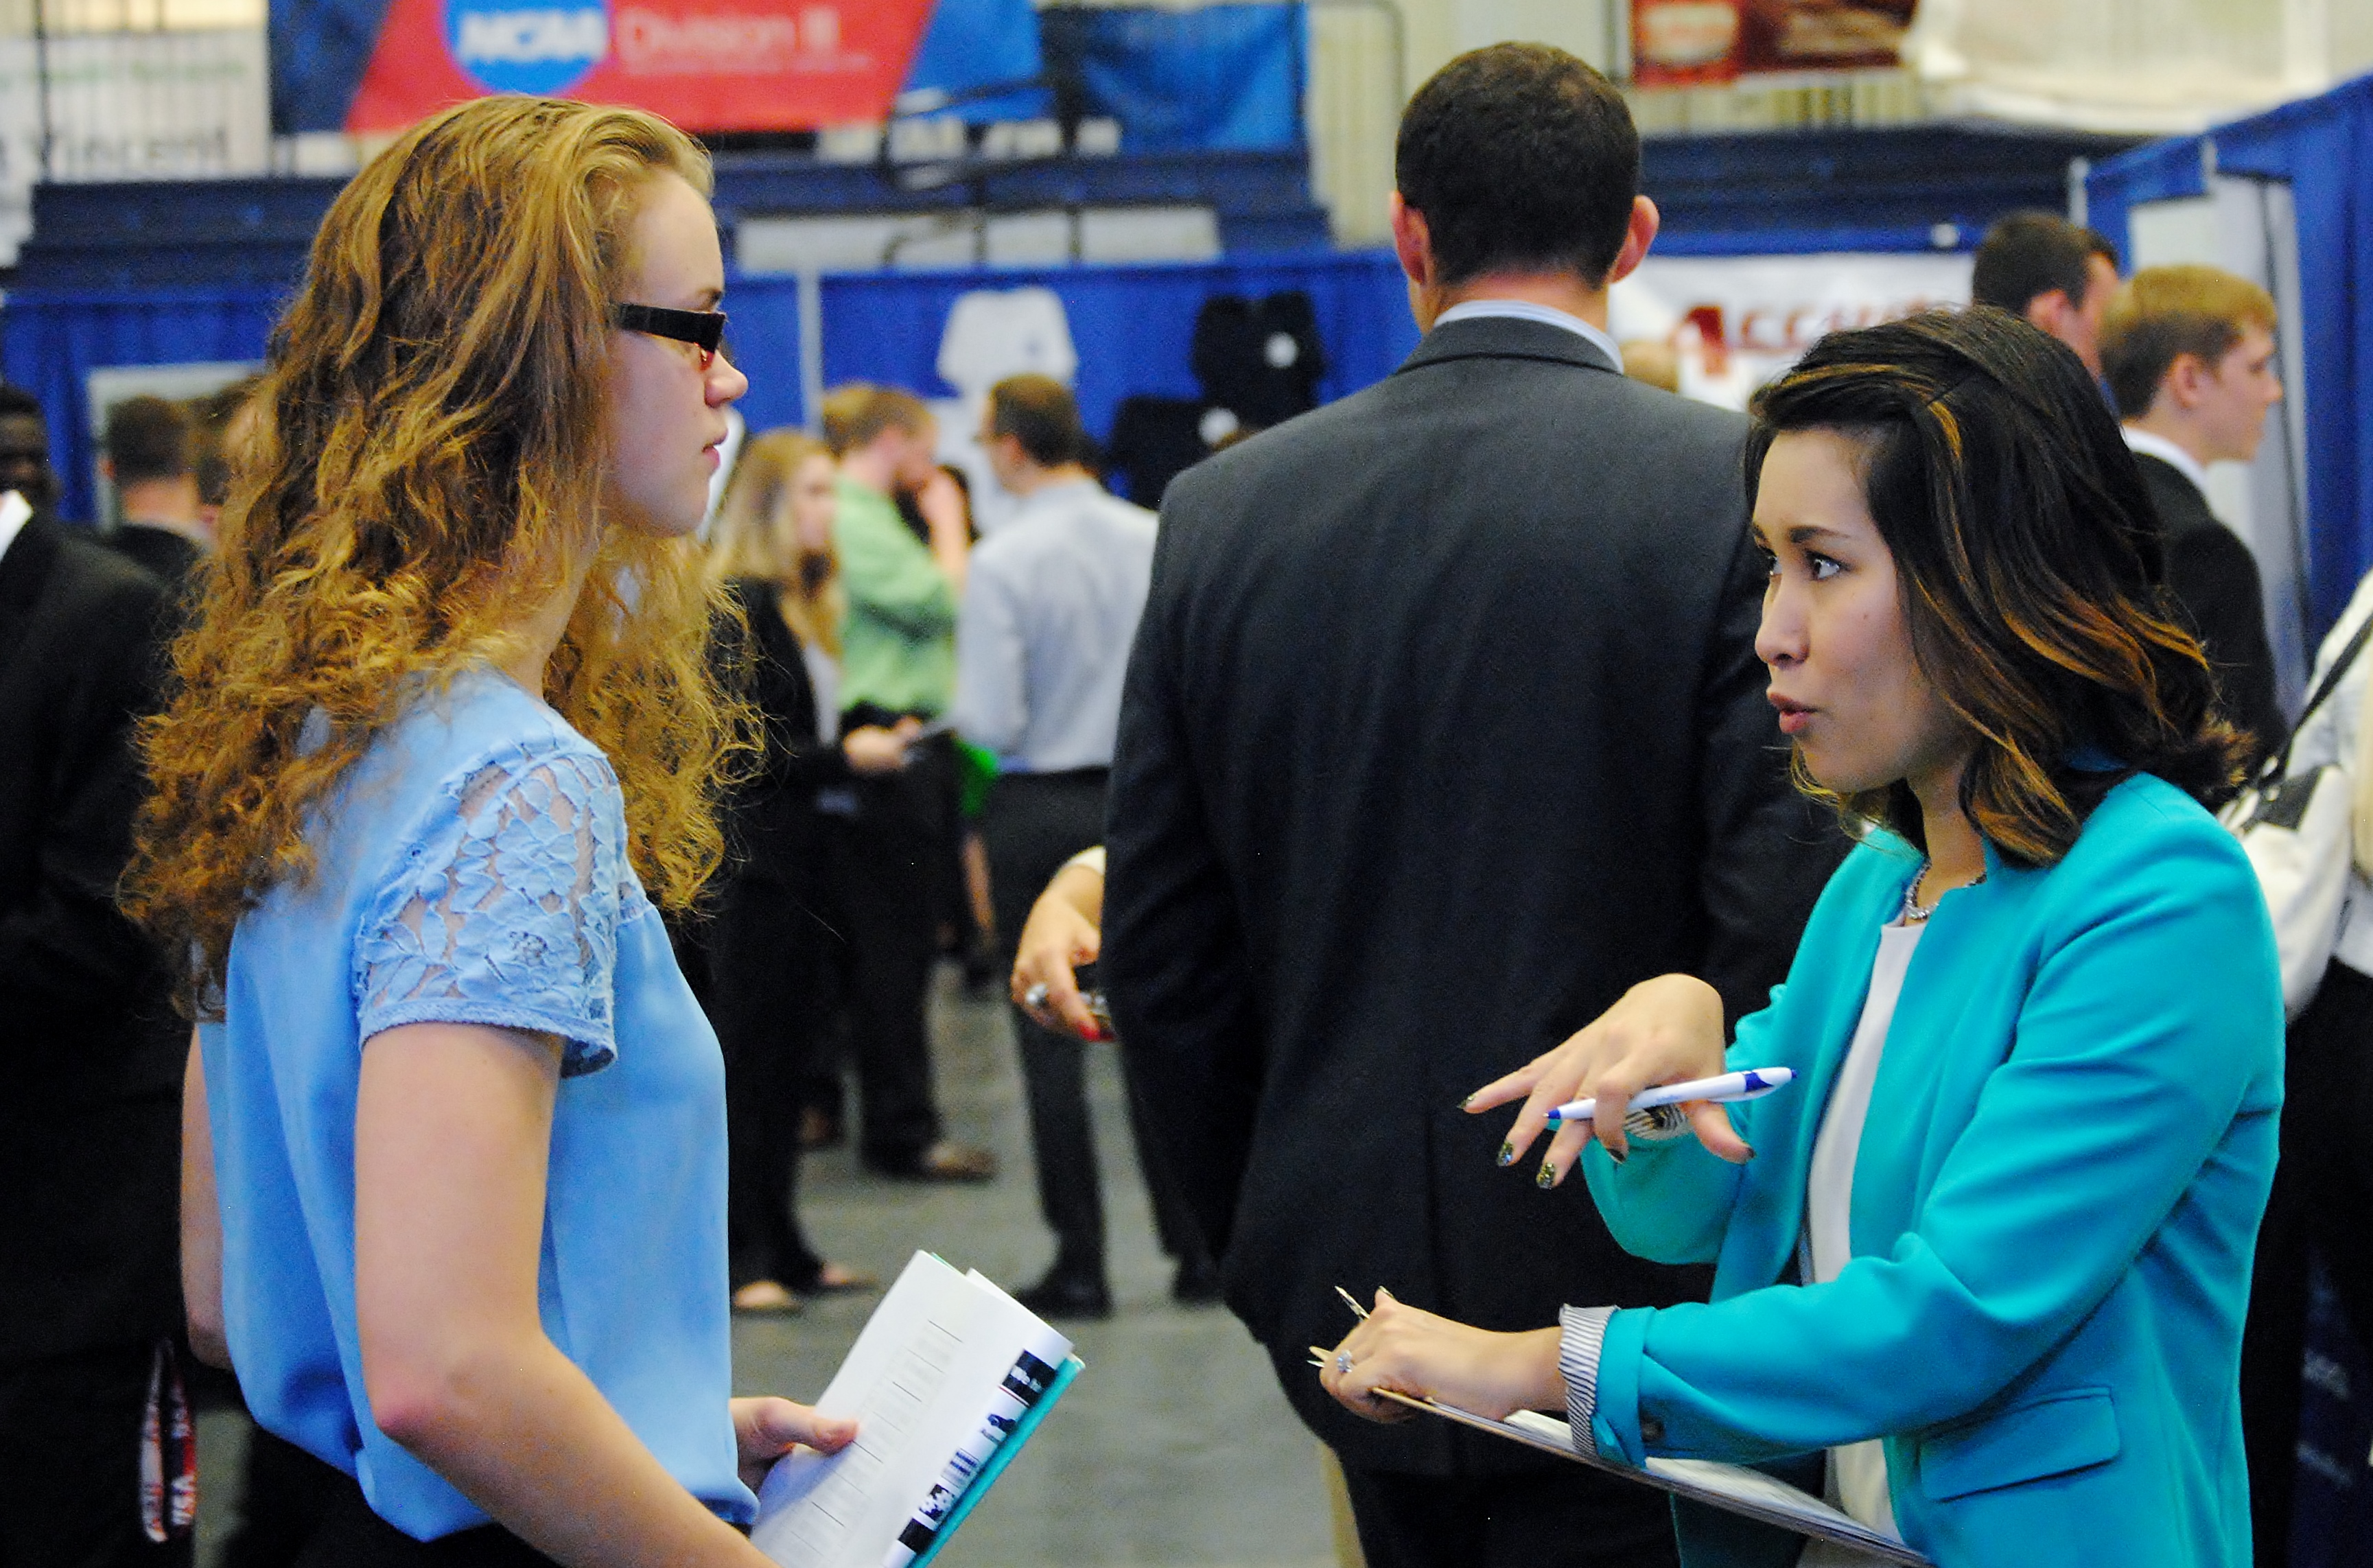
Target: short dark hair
x,y
1521,158
148,438
2164,314
2030,254
2031,570
16,402
1040,413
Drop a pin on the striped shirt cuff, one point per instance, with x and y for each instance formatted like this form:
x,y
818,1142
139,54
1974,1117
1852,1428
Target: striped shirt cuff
x,y
1584,1330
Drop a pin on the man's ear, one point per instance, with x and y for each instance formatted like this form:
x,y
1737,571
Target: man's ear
x,y
1638,235
2048,311
2186,381
1412,240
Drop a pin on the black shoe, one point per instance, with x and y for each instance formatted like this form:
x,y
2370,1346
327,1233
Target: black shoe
x,y
1198,1282
942,1160
1067,1296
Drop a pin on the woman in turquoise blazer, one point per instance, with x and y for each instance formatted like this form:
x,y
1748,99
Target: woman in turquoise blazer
x,y
2055,1185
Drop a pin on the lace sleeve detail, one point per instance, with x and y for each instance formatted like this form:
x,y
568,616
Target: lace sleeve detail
x,y
505,909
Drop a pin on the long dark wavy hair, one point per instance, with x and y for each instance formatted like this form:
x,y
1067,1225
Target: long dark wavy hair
x,y
2031,568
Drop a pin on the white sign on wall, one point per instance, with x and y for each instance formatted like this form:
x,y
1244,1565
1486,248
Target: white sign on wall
x,y
130,105
1738,321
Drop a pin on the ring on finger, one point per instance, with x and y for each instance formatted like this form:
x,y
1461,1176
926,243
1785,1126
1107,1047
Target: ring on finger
x,y
1343,1361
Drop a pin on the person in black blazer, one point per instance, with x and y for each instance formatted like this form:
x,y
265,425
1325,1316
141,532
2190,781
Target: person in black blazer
x,y
764,945
148,454
2188,353
1443,726
89,1120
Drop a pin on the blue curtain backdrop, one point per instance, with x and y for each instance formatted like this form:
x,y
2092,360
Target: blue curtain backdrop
x,y
2323,147
1133,325
50,343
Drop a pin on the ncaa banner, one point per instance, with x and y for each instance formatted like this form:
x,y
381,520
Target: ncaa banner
x,y
705,64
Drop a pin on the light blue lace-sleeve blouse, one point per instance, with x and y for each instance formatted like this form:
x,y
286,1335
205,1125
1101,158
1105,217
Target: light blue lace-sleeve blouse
x,y
473,868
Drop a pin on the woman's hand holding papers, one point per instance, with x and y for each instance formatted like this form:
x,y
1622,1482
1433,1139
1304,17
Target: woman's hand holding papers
x,y
1412,1351
766,1430
1667,1030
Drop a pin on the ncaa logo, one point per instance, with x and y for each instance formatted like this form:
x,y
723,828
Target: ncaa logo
x,y
531,46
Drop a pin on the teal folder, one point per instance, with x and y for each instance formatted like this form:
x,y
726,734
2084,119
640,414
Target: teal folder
x,y
1072,1367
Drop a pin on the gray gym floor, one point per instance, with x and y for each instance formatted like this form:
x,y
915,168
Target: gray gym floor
x,y
1174,1447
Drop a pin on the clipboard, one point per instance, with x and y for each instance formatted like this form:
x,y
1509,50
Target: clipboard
x,y
1733,1489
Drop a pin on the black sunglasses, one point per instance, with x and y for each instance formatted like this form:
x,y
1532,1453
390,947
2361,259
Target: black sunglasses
x,y
705,330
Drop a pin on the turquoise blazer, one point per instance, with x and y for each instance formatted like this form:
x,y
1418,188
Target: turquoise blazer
x,y
2069,1146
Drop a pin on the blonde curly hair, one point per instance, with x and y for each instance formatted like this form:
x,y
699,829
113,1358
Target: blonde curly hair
x,y
425,473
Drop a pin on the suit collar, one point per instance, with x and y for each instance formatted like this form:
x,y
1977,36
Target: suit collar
x,y
2146,443
1506,337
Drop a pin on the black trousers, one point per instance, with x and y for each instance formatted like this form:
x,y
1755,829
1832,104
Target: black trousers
x,y
882,869
2323,1190
1034,822
765,945
71,1435
354,1537
1571,1520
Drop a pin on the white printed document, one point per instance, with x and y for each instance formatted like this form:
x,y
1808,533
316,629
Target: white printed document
x,y
948,1379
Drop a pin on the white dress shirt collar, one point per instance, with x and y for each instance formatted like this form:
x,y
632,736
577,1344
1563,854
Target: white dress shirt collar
x,y
1526,311
2152,444
15,512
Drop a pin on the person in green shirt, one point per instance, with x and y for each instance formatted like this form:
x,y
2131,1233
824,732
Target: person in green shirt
x,y
898,662
899,652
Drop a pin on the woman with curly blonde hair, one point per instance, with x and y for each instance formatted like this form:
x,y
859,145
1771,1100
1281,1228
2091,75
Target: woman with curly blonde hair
x,y
454,1176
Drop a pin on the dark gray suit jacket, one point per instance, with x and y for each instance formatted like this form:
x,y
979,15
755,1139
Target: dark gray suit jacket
x,y
90,1054
1443,727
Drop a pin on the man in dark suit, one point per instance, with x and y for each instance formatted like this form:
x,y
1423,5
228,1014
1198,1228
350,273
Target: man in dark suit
x,y
90,1121
1443,728
148,454
2190,356
2060,276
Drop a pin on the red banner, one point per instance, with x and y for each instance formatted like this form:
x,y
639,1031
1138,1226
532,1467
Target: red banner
x,y
705,64
1704,42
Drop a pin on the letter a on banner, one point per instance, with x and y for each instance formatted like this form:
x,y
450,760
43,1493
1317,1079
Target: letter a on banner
x,y
706,64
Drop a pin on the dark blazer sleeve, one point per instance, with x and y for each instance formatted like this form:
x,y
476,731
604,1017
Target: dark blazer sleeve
x,y
1769,850
764,659
1175,959
64,944
2214,578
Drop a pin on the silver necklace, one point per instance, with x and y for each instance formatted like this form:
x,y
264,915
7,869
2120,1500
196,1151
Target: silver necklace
x,y
1912,913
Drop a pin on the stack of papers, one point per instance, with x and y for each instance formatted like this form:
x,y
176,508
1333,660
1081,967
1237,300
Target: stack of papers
x,y
947,1381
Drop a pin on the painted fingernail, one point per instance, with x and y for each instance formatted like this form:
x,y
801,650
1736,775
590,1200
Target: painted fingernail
x,y
1547,1176
1507,1153
1617,1155
1466,1102
1751,1151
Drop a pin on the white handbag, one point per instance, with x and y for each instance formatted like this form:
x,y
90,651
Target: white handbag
x,y
2295,828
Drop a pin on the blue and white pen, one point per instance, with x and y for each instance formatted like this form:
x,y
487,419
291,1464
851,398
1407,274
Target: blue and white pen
x,y
1752,1084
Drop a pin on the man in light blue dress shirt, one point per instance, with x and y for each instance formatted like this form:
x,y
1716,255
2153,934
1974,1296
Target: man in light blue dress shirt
x,y
1042,644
